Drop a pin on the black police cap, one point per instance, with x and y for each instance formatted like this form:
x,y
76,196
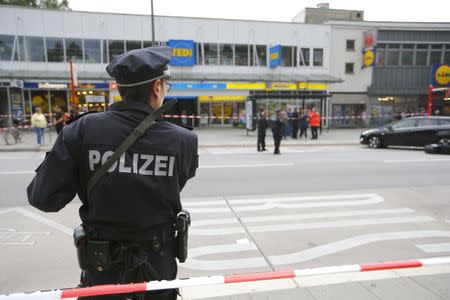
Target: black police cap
x,y
140,66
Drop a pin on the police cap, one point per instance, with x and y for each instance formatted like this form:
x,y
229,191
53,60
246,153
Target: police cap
x,y
140,66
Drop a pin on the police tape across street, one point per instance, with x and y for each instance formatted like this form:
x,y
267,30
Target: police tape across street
x,y
111,289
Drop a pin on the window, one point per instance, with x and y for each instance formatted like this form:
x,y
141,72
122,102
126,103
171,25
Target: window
x,y
74,50
381,54
304,57
131,45
436,53
318,57
55,49
427,122
350,45
287,57
115,48
421,55
35,50
92,51
241,55
105,51
258,55
405,123
211,54
349,68
6,46
226,54
407,54
393,54
447,54
199,54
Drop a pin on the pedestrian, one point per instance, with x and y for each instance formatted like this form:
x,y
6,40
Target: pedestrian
x,y
303,124
184,119
129,209
59,119
285,127
294,123
261,124
39,122
277,130
314,122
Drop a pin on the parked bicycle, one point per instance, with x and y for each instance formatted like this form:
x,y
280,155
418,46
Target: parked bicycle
x,y
12,134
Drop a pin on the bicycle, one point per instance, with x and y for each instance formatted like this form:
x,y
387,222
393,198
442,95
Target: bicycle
x,y
12,134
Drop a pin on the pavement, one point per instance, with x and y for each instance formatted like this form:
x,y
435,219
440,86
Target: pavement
x,y
209,137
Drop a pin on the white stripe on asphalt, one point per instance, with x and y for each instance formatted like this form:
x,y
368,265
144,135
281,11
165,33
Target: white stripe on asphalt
x,y
248,166
434,248
335,247
312,225
304,198
417,160
43,220
252,151
17,172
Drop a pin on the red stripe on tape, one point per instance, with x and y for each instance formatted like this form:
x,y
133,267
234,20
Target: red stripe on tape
x,y
390,265
106,289
259,276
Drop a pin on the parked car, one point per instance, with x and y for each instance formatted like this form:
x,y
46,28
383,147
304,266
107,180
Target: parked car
x,y
414,131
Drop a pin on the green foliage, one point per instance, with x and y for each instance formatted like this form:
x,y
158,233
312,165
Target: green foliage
x,y
52,4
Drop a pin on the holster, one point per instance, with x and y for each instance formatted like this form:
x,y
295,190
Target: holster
x,y
182,226
91,254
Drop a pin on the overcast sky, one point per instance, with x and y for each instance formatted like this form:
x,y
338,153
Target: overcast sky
x,y
273,10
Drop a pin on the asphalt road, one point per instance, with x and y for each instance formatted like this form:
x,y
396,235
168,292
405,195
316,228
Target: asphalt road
x,y
309,207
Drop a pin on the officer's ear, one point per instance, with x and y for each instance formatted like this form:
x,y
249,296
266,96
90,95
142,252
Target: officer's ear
x,y
157,87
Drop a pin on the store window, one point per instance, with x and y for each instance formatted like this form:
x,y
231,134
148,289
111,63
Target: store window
x,y
421,55
105,51
318,57
74,50
407,54
35,50
131,45
436,54
258,54
241,55
55,49
199,53
304,57
381,54
350,45
6,47
393,54
115,48
349,68
226,54
211,54
447,54
92,51
287,57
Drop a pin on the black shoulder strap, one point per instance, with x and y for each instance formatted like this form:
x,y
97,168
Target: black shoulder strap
x,y
137,133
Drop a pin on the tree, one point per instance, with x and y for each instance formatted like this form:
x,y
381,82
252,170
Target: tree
x,y
52,4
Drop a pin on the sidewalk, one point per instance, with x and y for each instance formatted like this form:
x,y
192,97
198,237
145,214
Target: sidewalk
x,y
208,137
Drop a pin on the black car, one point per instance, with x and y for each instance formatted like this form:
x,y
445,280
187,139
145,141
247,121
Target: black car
x,y
414,131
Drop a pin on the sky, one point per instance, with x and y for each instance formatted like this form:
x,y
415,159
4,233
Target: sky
x,y
273,10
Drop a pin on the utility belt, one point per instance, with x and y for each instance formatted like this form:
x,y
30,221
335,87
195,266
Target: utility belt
x,y
101,255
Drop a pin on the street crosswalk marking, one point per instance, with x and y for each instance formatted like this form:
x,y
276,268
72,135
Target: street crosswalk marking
x,y
434,248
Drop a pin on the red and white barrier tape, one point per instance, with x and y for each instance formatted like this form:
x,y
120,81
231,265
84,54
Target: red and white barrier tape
x,y
204,281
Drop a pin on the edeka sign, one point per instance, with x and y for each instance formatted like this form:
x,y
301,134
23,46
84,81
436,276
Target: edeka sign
x,y
440,75
275,56
369,58
183,52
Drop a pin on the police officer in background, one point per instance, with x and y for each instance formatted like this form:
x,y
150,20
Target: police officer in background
x,y
261,124
277,130
129,215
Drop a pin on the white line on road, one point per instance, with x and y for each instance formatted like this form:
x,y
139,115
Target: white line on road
x,y
305,198
17,172
434,248
416,160
48,222
248,166
335,247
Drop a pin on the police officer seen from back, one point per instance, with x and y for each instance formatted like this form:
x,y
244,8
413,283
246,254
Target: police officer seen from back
x,y
130,215
261,124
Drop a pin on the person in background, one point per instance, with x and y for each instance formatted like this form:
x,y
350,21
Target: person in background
x,y
184,120
59,121
294,123
314,122
285,127
277,128
261,125
303,124
39,122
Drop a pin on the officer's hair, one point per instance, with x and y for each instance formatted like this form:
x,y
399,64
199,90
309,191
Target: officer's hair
x,y
139,93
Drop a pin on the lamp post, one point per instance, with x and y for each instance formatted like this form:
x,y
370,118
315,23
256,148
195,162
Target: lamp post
x,y
153,25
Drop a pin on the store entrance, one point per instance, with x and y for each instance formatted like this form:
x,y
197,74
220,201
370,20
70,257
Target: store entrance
x,y
222,113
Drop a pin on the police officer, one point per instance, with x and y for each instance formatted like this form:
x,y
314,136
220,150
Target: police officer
x,y
277,131
133,207
262,125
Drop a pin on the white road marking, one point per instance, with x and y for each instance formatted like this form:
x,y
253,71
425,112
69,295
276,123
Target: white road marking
x,y
335,247
313,225
434,248
20,238
247,166
43,220
17,172
243,241
230,264
416,160
305,198
254,152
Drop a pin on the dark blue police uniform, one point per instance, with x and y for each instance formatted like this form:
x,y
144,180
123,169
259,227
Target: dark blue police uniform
x,y
137,200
